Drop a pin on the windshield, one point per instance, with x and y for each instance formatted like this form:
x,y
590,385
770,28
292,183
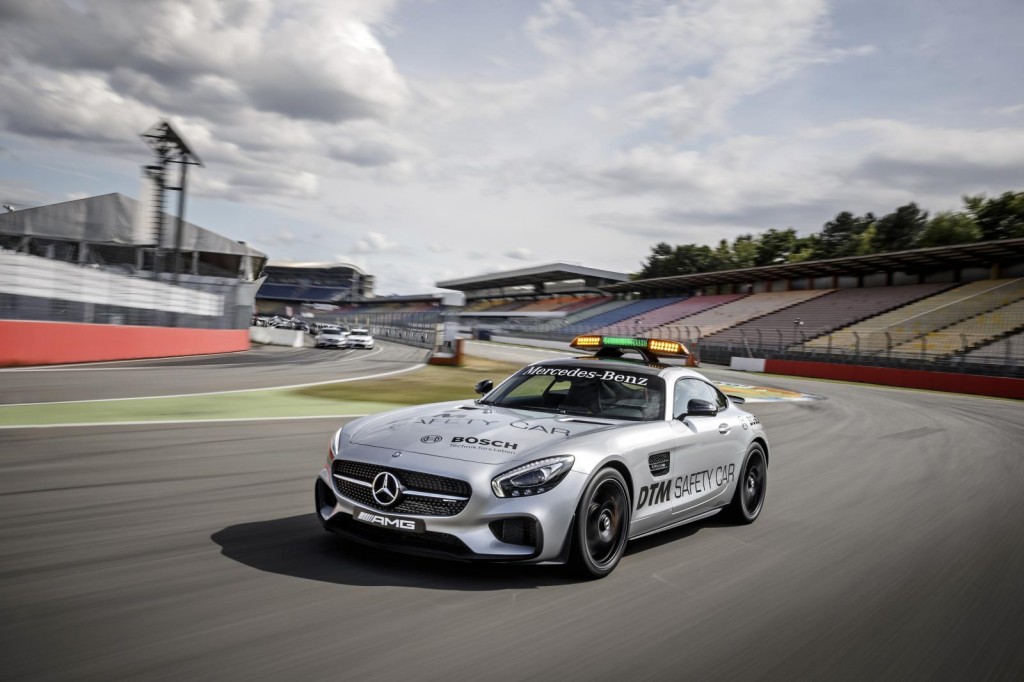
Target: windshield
x,y
599,392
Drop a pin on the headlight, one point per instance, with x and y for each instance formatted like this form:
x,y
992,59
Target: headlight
x,y
533,478
333,447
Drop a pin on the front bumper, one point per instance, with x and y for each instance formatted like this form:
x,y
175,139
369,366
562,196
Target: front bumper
x,y
488,528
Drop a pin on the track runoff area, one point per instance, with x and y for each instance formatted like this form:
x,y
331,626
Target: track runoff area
x,y
890,547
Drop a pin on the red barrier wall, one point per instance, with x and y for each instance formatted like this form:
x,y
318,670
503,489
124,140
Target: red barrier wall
x,y
1002,387
51,343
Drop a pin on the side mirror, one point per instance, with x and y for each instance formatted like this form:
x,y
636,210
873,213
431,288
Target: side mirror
x,y
699,408
737,400
484,387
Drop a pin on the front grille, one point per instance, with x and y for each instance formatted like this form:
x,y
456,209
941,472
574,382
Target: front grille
x,y
414,481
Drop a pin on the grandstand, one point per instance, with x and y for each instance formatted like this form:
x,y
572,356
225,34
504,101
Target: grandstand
x,y
899,329
938,307
292,285
820,315
90,266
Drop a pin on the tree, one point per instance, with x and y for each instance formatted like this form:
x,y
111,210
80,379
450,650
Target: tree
x,y
999,218
690,259
775,247
659,263
841,237
948,228
723,257
744,251
899,230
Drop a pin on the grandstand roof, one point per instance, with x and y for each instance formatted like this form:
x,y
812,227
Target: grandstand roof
x,y
313,266
108,219
915,260
555,272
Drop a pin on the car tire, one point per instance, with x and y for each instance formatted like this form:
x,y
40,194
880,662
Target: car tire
x,y
748,500
601,529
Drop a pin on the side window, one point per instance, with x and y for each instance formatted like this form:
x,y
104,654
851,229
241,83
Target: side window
x,y
705,392
722,401
685,390
688,389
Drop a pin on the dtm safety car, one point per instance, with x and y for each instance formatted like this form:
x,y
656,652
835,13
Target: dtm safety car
x,y
565,461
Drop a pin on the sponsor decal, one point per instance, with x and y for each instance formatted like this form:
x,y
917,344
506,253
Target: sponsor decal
x,y
464,441
527,426
392,522
685,486
583,373
431,439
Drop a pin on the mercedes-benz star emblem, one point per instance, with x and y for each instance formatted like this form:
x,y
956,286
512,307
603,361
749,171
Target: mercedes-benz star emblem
x,y
386,489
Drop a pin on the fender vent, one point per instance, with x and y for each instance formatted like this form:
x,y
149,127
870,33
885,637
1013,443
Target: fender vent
x,y
659,463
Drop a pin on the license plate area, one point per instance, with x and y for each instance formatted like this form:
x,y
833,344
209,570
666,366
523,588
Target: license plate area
x,y
375,518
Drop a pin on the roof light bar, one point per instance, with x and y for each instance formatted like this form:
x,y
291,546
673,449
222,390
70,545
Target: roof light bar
x,y
656,346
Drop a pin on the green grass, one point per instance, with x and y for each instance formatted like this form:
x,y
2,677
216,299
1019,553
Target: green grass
x,y
429,385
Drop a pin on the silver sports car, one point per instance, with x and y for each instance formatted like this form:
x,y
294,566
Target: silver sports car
x,y
563,462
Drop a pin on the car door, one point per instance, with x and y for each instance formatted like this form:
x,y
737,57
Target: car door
x,y
705,449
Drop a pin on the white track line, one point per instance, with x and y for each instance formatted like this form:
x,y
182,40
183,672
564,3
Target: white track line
x,y
87,366
237,390
179,421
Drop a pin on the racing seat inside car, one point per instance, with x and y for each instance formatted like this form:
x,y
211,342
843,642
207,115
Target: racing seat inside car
x,y
584,396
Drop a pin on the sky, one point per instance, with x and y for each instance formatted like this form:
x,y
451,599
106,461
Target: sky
x,y
427,140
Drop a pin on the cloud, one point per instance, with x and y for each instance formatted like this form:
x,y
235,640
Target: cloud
x,y
253,84
519,254
752,183
374,242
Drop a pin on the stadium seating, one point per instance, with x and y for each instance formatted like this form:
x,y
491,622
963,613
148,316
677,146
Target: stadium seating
x,y
627,319
546,304
906,323
821,315
581,316
483,305
968,333
713,320
1007,352
676,313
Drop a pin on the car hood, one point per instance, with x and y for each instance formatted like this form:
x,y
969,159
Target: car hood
x,y
471,432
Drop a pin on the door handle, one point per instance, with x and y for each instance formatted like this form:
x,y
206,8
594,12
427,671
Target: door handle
x,y
723,428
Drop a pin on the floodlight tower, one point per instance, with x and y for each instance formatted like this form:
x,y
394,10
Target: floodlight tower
x,y
169,147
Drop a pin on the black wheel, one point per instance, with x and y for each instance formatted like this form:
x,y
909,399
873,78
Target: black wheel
x,y
602,525
750,489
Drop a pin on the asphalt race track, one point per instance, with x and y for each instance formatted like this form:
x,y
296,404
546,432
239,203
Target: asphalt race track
x,y
890,547
261,367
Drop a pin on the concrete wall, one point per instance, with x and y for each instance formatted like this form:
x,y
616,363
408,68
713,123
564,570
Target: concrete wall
x,y
1002,387
271,336
51,343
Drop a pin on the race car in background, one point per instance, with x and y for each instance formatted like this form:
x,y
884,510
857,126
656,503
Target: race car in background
x,y
360,338
331,337
565,461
